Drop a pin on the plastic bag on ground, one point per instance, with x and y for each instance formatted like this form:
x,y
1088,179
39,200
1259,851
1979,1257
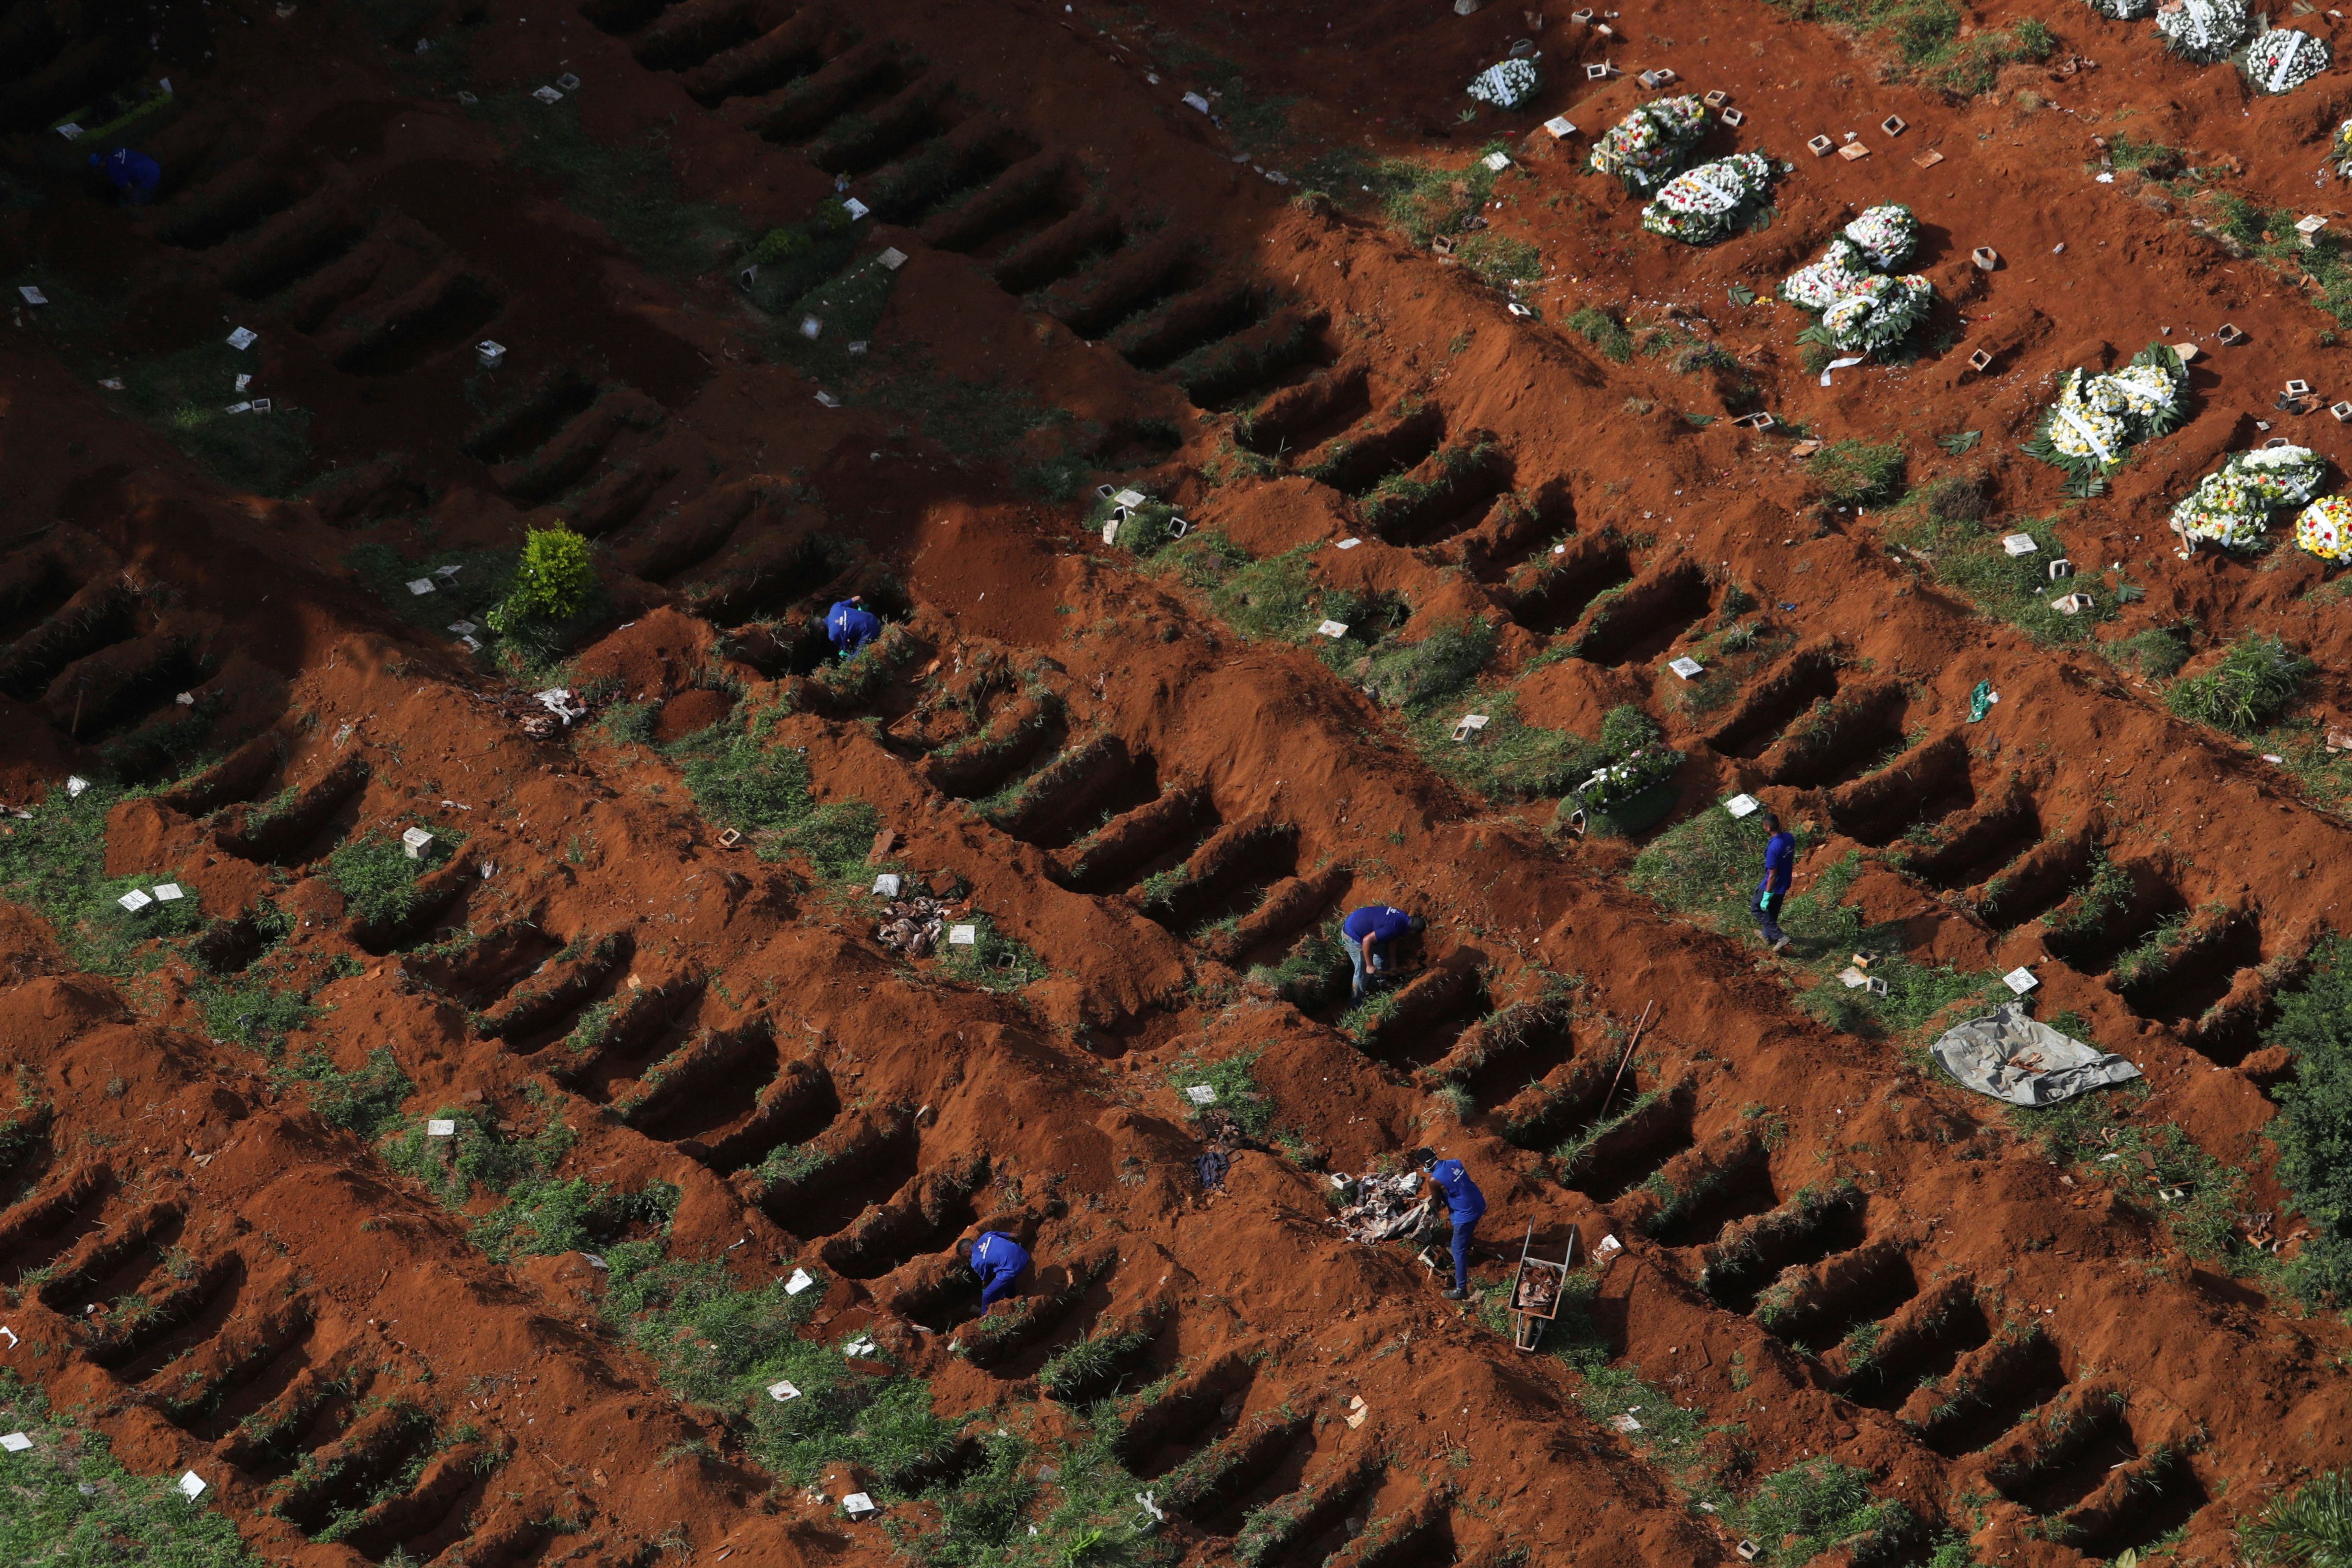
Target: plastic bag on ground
x,y
2010,1056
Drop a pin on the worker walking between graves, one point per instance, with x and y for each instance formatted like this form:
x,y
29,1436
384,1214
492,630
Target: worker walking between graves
x,y
1371,934
1780,867
134,174
849,626
1464,1201
999,1260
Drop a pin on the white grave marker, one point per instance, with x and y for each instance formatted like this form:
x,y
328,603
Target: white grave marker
x,y
15,1442
963,936
781,1392
1201,1094
854,208
441,1128
2019,980
857,1505
548,95
1560,125
1743,805
1470,725
416,841
1333,630
134,900
168,892
1687,667
892,258
801,1280
420,586
1498,162
1194,100
1349,543
889,883
192,1486
243,338
33,295
2019,543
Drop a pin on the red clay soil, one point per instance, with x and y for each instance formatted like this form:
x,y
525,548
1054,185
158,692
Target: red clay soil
x,y
674,428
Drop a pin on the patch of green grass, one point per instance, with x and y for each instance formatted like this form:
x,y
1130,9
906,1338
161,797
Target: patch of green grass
x,y
1510,758
1313,970
2082,1131
1604,333
1423,200
1970,560
2250,685
186,394
1444,660
631,188
1856,473
847,308
366,1099
55,863
479,1157
993,961
69,1501
1239,1094
1800,1512
2313,1127
543,1215
741,780
376,877
1706,867
2159,652
1499,261
2105,889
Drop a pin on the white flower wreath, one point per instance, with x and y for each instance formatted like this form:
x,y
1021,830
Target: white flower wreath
x,y
1879,316
2231,506
2281,60
2203,31
1839,273
1885,236
1705,204
1506,85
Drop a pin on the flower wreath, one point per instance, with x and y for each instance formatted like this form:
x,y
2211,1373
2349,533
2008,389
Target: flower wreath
x,y
2325,529
1648,145
1710,202
2203,31
2230,507
2281,60
2096,417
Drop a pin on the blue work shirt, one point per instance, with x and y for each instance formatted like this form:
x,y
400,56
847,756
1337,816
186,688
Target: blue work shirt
x,y
1779,864
1380,921
129,170
849,628
1463,1199
998,1260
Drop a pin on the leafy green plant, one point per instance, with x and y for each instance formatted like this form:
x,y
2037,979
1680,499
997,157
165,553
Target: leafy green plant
x,y
2157,652
2308,1528
545,1215
1439,665
2252,684
376,877
1604,333
55,863
552,581
366,1099
1238,1093
762,790
1821,1503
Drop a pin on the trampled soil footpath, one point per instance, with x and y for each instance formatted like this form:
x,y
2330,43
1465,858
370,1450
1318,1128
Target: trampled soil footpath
x,y
1109,256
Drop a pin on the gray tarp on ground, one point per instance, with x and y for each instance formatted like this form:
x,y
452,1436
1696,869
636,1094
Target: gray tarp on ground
x,y
2009,1056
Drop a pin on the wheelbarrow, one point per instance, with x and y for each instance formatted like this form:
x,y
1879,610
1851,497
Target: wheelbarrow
x,y
1536,1287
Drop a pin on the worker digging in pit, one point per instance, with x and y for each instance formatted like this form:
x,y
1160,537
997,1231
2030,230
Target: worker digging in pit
x,y
1463,1203
1372,933
134,174
1780,867
849,626
999,1260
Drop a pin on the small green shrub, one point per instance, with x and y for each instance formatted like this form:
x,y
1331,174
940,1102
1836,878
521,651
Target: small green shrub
x,y
552,581
1436,667
1821,1504
2158,653
543,1217
1604,333
366,1099
1239,1094
2252,684
376,877
1499,260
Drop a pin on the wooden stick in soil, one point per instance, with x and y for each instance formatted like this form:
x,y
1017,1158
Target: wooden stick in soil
x,y
1639,1024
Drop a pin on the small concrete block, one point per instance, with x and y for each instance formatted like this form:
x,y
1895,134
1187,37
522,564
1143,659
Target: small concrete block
x,y
243,338
888,884
1333,629
1498,162
731,837
416,841
548,95
2343,412
33,295
15,1442
854,208
801,1280
1470,725
827,400
1518,310
1821,146
1194,100
1585,17
1894,125
1757,421
2072,605
1743,805
1687,667
1927,160
2019,980
812,327
2230,335
2187,352
134,900
568,82
1986,258
1852,152
441,1128
2274,441
168,893
1734,118
1715,100
1560,125
2061,567
2019,543
464,628
892,258
2309,229
1747,1551
1349,543
1980,360
858,1505
1596,73
1200,1094
192,1486
491,355
782,1392
2298,389
1130,497
963,936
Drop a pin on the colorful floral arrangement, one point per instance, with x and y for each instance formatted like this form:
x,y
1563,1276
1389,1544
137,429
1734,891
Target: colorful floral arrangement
x,y
2231,506
1885,236
1647,146
1506,85
2203,31
2342,150
2096,418
2281,60
1876,316
1841,271
2326,528
1708,203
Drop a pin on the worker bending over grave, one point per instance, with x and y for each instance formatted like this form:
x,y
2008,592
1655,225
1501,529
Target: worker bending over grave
x,y
1780,867
1464,1201
134,174
999,1260
1371,934
849,626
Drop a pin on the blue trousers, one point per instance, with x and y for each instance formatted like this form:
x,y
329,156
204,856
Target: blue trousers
x,y
1463,1230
